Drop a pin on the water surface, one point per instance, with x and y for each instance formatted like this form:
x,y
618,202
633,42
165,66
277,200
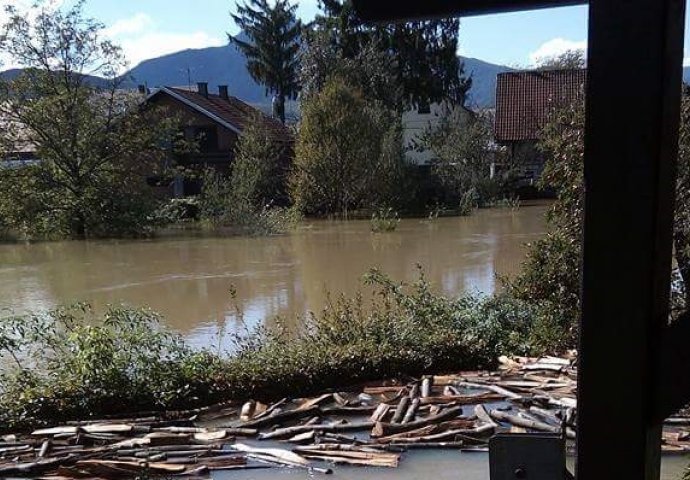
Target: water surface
x,y
188,279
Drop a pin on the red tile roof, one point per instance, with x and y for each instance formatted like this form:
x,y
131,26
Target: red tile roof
x,y
231,111
524,100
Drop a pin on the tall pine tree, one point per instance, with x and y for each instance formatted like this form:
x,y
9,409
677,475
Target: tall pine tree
x,y
427,66
272,48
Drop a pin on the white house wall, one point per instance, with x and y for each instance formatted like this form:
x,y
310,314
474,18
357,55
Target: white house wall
x,y
414,125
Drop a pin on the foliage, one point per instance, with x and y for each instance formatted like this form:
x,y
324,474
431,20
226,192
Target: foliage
x,y
90,139
72,364
178,210
551,274
681,232
425,62
272,48
370,70
570,59
349,153
218,208
259,171
462,146
252,199
384,220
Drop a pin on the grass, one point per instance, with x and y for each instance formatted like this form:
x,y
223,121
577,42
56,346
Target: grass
x,y
84,366
384,220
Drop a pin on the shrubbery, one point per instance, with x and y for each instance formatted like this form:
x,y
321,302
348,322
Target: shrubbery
x,y
462,146
252,200
71,364
349,152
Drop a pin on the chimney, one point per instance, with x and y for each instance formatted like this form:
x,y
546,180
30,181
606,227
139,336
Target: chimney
x,y
223,92
202,88
143,90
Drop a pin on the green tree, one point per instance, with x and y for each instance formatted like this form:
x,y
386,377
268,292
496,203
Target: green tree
x,y
463,151
370,70
571,59
552,272
348,153
426,64
259,172
92,138
273,46
681,232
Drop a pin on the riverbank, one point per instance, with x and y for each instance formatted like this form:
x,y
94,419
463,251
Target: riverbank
x,y
378,424
81,365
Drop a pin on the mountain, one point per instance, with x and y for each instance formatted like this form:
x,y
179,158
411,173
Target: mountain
x,y
483,74
215,65
227,66
90,79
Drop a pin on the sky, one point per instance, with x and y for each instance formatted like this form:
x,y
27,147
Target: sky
x,y
151,28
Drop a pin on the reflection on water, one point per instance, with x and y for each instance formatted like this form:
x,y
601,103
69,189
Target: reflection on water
x,y
188,279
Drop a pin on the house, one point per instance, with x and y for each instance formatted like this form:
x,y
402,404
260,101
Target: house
x,y
417,120
16,149
524,101
215,121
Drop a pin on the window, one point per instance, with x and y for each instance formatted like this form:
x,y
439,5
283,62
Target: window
x,y
207,137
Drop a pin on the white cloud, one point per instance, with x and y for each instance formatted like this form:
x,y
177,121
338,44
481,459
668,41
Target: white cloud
x,y
555,47
686,62
141,39
154,44
128,26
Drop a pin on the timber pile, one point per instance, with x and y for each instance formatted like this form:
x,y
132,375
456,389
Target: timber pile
x,y
372,426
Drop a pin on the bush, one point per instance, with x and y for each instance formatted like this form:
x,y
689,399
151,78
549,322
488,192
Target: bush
x,y
462,147
259,171
384,220
71,364
349,153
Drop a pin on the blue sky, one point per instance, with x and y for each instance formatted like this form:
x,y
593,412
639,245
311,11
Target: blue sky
x,y
150,28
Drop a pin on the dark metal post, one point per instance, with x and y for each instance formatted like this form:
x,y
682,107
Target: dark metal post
x,y
633,98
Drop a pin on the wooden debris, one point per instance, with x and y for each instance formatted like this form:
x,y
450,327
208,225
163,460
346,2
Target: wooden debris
x,y
380,412
526,395
400,410
384,429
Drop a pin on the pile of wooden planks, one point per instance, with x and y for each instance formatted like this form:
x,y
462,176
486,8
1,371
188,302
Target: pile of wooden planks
x,y
372,426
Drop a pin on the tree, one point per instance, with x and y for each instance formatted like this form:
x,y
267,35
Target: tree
x,y
371,70
92,139
426,64
259,172
552,272
273,47
571,59
551,275
462,146
681,231
348,153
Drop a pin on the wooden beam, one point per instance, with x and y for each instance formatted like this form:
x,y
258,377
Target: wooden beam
x,y
635,58
393,10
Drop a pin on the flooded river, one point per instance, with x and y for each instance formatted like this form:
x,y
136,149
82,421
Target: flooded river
x,y
188,279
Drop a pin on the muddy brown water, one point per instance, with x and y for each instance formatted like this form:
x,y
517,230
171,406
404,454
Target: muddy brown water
x,y
188,279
